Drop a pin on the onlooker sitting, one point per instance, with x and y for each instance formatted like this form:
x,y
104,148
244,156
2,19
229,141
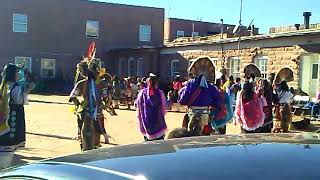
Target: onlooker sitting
x,y
315,110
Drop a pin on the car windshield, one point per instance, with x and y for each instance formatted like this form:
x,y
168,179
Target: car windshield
x,y
79,75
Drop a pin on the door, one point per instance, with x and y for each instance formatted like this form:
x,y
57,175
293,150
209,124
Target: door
x,y
314,79
140,68
309,74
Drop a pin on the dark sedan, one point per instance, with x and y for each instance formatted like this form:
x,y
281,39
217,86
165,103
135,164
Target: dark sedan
x,y
254,156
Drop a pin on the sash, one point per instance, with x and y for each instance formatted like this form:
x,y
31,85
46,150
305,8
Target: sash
x,y
194,96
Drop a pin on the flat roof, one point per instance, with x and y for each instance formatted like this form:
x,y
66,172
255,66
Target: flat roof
x,y
246,38
198,21
119,4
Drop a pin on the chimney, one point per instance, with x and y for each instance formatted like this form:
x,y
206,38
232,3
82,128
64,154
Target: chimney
x,y
252,30
297,26
307,20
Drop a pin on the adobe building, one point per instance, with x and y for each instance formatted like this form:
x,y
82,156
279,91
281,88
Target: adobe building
x,y
51,36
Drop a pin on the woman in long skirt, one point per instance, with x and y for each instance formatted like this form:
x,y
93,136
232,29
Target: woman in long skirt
x,y
151,105
249,109
13,116
265,91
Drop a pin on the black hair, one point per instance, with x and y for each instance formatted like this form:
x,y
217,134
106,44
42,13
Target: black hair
x,y
191,76
153,81
283,86
292,90
266,86
10,71
231,78
218,83
252,76
271,77
238,79
248,91
8,75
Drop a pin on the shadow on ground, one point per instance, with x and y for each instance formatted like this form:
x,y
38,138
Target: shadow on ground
x,y
49,102
20,158
51,136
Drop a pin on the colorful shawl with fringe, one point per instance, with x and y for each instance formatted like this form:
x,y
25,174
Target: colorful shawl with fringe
x,y
250,114
225,114
151,112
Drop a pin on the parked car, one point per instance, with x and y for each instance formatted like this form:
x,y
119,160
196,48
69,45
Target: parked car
x,y
249,156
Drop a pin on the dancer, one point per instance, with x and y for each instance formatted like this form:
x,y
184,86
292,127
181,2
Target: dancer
x,y
94,90
283,107
249,109
151,106
201,98
12,116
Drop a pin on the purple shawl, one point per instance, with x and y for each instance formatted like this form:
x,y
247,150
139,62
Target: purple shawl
x,y
151,112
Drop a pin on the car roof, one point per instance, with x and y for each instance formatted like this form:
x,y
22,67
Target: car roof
x,y
216,157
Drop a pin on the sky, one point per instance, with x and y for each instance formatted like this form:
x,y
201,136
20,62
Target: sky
x,y
266,13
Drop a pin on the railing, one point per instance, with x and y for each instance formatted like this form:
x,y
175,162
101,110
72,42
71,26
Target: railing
x,y
199,38
292,28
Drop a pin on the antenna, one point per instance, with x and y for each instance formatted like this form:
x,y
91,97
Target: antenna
x,y
239,26
251,23
169,11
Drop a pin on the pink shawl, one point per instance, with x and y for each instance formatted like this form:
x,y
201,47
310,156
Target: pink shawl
x,y
250,115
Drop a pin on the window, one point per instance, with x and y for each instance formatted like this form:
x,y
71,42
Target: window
x,y
140,71
195,34
131,67
262,63
20,23
180,34
145,33
235,67
92,29
215,63
315,72
23,61
48,68
174,68
122,66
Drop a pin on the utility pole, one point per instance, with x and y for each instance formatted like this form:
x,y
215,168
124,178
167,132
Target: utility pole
x,y
222,47
239,31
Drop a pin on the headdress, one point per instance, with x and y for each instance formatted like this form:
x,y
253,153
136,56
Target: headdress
x,y
285,74
203,66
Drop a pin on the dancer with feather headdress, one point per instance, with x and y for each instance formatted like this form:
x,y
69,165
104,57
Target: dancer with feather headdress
x,y
96,97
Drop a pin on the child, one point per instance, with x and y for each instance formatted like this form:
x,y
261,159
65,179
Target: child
x,y
128,94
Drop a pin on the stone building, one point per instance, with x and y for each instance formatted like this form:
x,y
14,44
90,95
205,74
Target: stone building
x,y
297,50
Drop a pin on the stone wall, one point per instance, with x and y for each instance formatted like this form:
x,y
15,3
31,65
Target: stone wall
x,y
278,58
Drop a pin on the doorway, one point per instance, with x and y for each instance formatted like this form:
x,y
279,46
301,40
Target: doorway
x,y
309,73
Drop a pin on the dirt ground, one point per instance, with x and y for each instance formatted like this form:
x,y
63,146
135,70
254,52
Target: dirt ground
x,y
51,129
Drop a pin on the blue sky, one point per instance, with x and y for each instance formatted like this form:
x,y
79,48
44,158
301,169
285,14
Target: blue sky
x,y
266,13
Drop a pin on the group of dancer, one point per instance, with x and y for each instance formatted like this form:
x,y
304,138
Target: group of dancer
x,y
210,106
211,102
